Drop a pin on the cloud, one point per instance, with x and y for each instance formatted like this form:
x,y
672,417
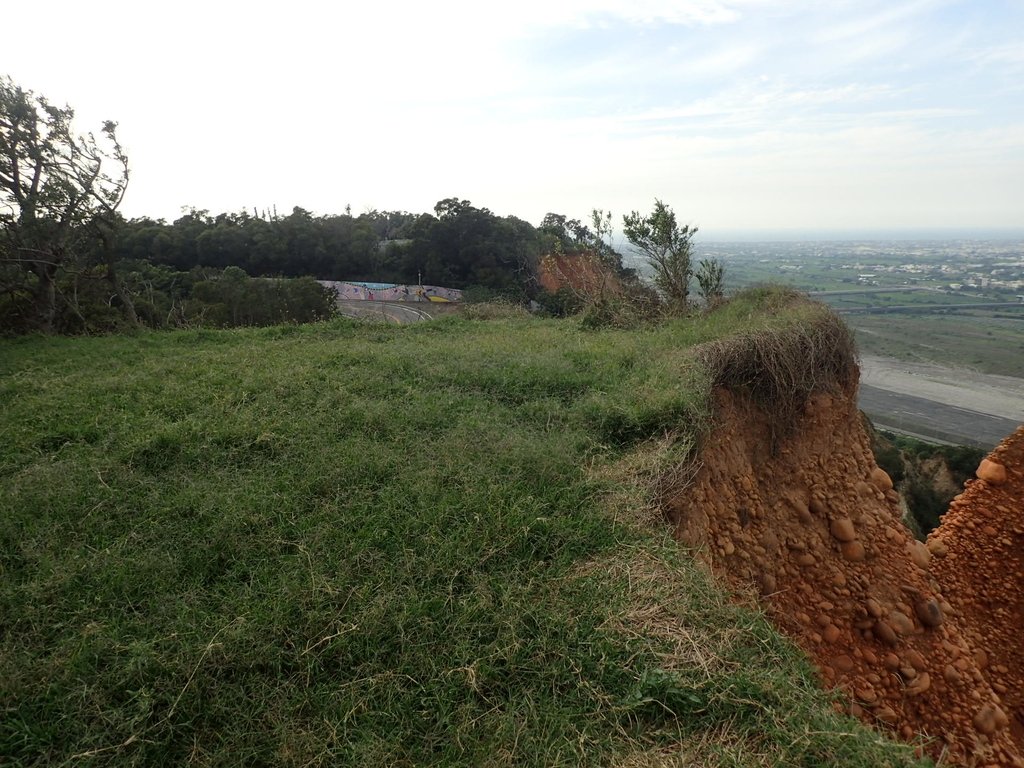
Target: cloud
x,y
602,13
741,111
868,22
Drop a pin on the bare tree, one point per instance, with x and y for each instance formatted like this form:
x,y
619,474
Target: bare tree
x,y
59,193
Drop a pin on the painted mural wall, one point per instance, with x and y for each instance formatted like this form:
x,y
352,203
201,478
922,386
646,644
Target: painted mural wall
x,y
351,291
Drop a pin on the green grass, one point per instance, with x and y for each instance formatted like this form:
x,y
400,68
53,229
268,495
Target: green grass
x,y
360,545
929,299
982,341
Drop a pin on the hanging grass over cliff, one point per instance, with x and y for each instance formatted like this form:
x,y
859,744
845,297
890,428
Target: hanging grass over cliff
x,y
799,347
365,545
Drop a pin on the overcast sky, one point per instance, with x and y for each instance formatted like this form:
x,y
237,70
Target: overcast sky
x,y
740,114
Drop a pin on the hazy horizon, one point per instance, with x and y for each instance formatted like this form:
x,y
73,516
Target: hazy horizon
x,y
935,234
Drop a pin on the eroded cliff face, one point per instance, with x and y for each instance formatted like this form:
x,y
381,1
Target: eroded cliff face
x,y
925,640
582,273
980,564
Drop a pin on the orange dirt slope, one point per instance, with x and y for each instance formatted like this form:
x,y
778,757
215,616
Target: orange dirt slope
x,y
582,273
923,639
979,561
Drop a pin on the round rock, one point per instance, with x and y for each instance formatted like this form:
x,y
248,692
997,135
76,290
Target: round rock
x,y
886,634
866,695
887,715
864,490
916,660
802,512
991,472
919,554
842,529
842,663
805,559
937,547
921,684
881,479
902,623
853,551
988,719
928,612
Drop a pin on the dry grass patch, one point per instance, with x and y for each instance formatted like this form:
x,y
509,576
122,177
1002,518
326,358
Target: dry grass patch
x,y
717,685
779,365
639,483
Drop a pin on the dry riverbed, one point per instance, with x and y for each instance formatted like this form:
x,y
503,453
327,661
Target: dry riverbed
x,y
962,387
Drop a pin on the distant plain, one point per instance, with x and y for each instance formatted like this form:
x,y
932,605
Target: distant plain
x,y
959,361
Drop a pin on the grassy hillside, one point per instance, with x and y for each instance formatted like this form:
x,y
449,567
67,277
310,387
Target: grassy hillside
x,y
365,545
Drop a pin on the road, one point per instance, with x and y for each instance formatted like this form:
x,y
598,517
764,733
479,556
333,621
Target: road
x,y
923,308
385,311
932,420
878,289
954,405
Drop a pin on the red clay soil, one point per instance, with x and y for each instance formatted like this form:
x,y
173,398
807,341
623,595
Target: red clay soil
x,y
979,561
925,640
582,273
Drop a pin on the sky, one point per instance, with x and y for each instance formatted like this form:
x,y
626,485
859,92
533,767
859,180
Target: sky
x,y
739,114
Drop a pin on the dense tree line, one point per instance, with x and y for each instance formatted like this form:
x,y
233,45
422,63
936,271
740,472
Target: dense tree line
x,y
459,245
190,271
69,262
299,244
